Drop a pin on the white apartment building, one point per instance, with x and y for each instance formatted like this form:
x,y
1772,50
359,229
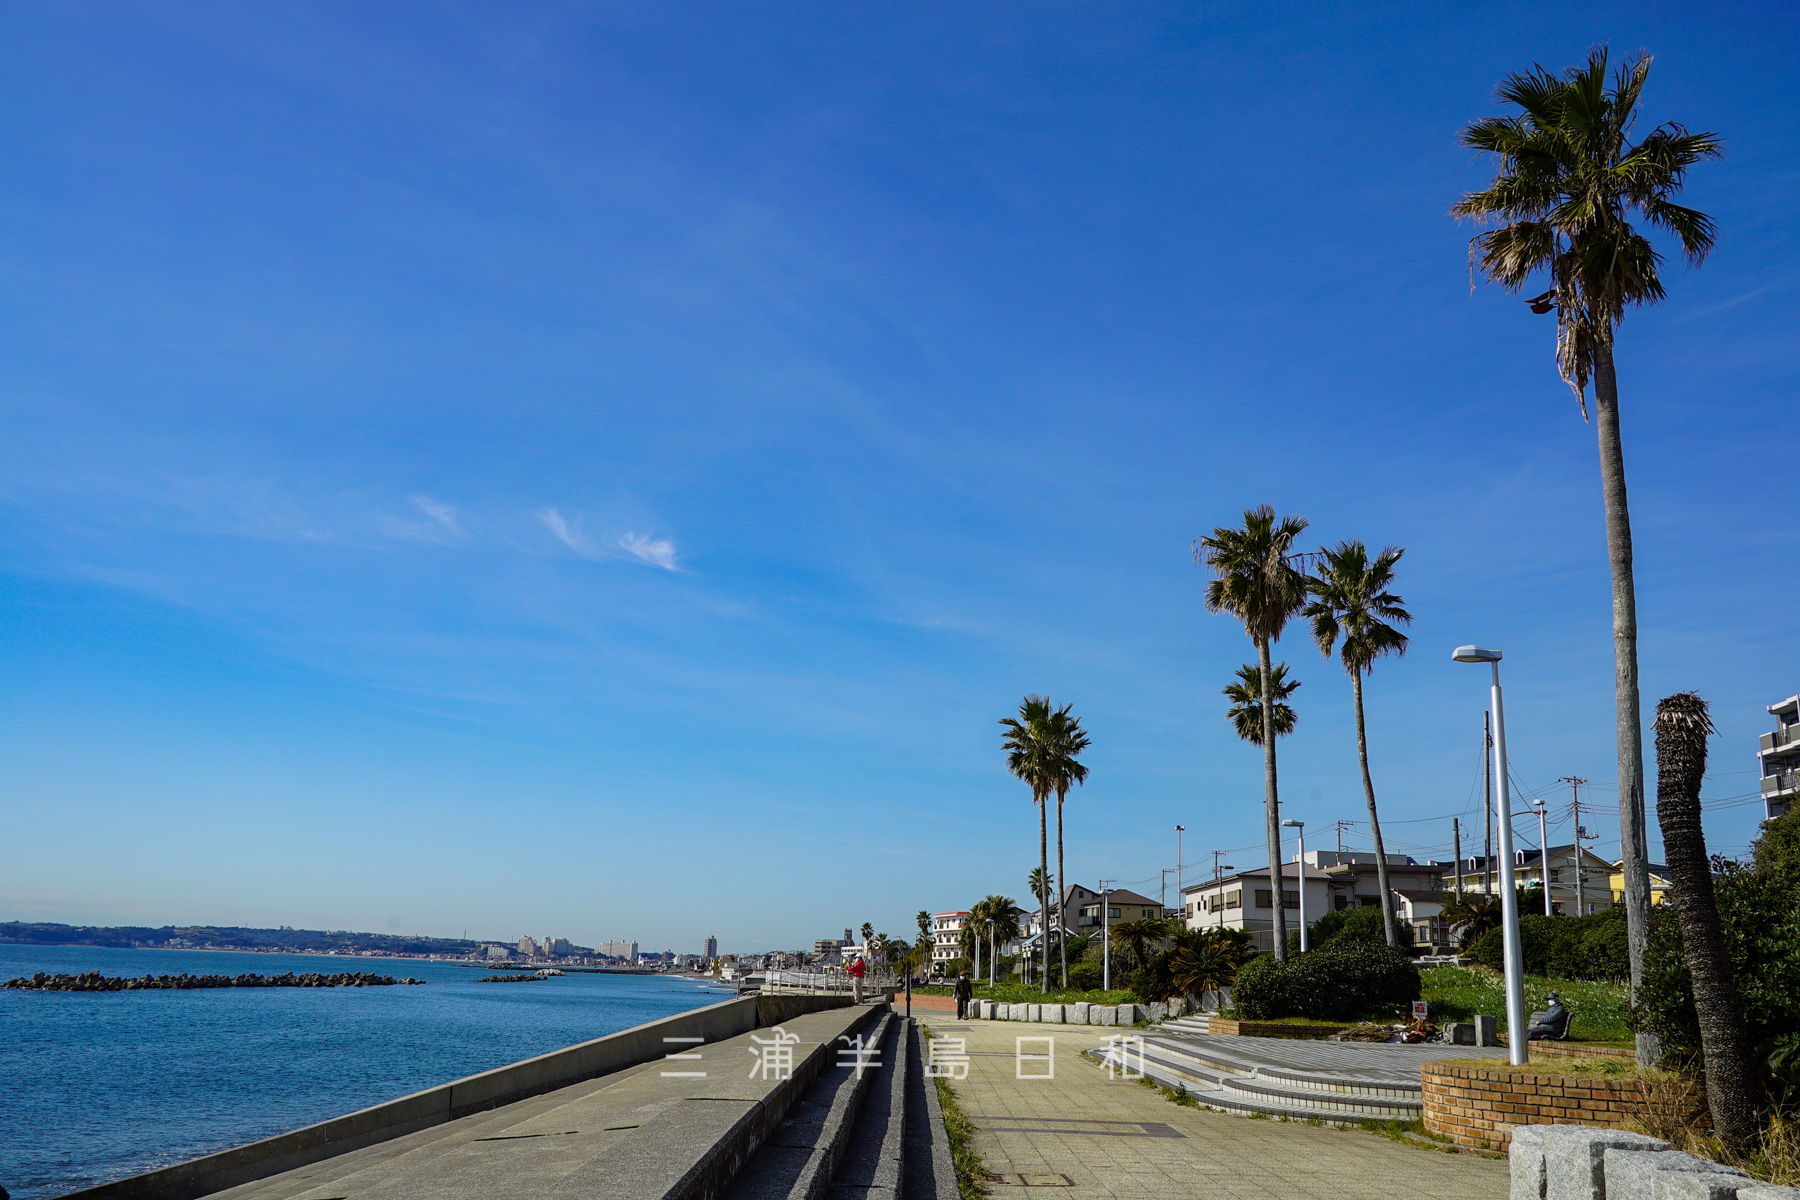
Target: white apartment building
x,y
1335,880
946,938
1778,758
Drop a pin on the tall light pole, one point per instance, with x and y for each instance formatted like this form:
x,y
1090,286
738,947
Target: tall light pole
x,y
1299,828
1105,935
1509,897
1179,829
1537,806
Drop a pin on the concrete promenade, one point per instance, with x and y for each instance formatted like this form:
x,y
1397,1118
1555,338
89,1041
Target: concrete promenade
x,y
1115,1138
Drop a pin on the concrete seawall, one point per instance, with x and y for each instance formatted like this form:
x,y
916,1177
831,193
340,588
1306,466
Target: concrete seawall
x,y
447,1102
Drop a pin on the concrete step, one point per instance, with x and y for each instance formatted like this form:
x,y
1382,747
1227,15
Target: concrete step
x,y
1199,1023
929,1172
1216,1055
874,1162
1237,1094
799,1159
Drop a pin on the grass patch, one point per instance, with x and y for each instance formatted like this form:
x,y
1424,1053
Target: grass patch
x,y
1568,1068
971,1172
1460,993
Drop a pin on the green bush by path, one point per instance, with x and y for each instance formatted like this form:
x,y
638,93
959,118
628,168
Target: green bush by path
x,y
1344,979
1590,947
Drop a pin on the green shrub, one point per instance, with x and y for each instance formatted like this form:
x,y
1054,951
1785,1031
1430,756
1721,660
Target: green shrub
x,y
1342,980
1362,923
1759,911
1591,947
1084,977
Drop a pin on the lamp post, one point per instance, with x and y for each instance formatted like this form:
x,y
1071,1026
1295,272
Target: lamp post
x,y
1509,896
1105,937
1218,874
1179,829
1299,828
1537,806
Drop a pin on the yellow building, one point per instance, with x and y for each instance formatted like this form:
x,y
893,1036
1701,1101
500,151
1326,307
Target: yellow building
x,y
1659,883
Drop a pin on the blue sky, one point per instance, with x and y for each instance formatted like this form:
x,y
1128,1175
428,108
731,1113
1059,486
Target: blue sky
x,y
604,470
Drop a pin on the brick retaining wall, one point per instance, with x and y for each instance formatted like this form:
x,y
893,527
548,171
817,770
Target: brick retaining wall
x,y
1477,1107
1582,1050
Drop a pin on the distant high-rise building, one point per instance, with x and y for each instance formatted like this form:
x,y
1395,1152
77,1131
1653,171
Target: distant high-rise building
x,y
712,947
625,950
1779,758
527,947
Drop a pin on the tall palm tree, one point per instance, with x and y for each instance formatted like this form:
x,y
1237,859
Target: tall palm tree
x,y
1071,739
927,941
1351,604
1245,713
1042,885
1733,1085
1568,176
1256,582
1031,752
974,933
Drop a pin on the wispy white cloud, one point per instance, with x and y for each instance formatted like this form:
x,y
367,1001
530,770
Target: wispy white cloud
x,y
442,513
649,550
658,552
569,533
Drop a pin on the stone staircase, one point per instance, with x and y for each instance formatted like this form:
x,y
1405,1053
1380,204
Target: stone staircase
x,y
1333,1083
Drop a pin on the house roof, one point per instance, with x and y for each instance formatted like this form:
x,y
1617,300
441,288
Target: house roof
x,y
1260,875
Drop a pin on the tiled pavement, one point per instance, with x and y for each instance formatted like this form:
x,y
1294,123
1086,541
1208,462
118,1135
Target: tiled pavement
x,y
1116,1138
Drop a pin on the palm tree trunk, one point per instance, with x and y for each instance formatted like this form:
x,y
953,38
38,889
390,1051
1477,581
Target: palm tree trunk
x,y
1732,1083
1388,927
1043,893
1633,844
1062,884
1272,798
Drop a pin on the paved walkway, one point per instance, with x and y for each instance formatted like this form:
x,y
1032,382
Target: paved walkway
x,y
1116,1138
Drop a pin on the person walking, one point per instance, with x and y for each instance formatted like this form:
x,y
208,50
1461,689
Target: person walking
x,y
857,970
964,992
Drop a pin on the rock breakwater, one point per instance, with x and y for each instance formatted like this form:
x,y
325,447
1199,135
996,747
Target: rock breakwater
x,y
94,981
510,979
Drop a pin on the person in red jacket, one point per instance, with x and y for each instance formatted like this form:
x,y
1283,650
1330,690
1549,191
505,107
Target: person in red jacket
x,y
857,970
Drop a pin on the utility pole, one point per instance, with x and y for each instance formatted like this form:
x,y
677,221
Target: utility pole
x,y
1179,829
1217,855
1340,833
1575,782
1456,836
1487,803
1105,935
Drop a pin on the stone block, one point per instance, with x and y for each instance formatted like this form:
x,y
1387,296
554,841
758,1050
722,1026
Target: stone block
x,y
1034,1012
1525,1160
1018,1012
1487,1031
1054,1013
1079,1012
1717,1184
1575,1162
1768,1191
1629,1172
1159,1010
1462,1033
1131,1014
1109,1015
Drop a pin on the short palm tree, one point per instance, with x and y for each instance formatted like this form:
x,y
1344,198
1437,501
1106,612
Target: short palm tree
x,y
1256,581
1353,610
1031,753
1568,176
1136,937
1245,713
1000,915
1070,740
1207,960
1733,1086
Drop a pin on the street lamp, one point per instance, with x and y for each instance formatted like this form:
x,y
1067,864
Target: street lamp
x,y
1509,897
1300,870
1178,832
1537,806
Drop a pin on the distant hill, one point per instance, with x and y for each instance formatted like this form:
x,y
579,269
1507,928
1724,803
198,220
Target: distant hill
x,y
226,937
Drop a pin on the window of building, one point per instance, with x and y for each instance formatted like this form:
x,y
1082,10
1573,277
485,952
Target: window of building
x,y
1288,899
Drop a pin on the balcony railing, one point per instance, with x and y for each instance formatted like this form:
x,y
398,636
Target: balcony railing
x,y
1781,737
1781,781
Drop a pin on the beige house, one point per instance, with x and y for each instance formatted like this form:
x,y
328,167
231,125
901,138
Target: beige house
x,y
1579,883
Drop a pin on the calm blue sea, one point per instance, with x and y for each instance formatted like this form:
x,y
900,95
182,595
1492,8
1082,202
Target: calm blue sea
x,y
95,1086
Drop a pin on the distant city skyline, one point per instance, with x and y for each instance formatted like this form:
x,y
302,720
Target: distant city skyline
x,y
579,470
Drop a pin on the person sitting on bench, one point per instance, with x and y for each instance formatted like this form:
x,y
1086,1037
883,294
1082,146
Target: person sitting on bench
x,y
1552,1024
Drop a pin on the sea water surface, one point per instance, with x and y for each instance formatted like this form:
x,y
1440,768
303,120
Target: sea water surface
x,y
95,1086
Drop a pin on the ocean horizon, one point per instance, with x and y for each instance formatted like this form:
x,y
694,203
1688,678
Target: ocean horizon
x,y
102,1085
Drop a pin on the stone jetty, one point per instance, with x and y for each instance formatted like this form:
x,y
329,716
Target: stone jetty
x,y
94,981
510,979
